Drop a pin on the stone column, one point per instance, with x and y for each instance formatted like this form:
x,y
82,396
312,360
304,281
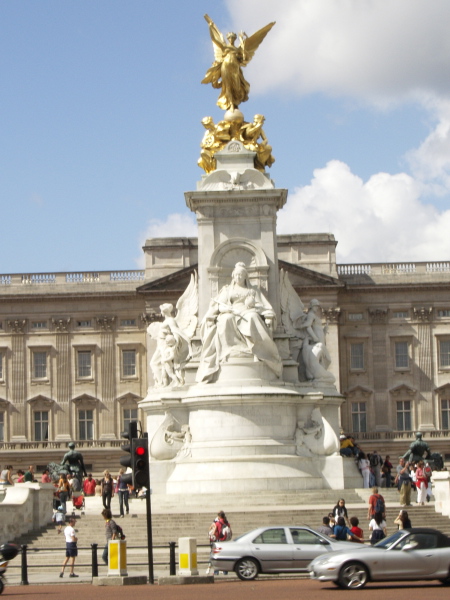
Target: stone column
x,y
63,379
19,416
378,320
332,340
425,416
108,377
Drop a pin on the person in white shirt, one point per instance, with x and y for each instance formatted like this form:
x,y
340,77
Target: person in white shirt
x,y
71,548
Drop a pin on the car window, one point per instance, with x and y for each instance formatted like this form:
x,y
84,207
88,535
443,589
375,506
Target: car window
x,y
303,536
425,541
271,536
391,540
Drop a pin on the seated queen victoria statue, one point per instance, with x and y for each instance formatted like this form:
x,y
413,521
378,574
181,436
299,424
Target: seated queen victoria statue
x,y
238,324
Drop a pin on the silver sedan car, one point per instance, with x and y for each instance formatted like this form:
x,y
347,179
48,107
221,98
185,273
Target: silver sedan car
x,y
407,555
278,549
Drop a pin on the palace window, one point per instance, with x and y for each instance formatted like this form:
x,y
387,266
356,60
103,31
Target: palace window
x,y
128,322
401,355
2,426
129,414
39,365
86,424
400,314
444,312
355,316
128,363
84,363
404,415
39,325
444,353
83,324
445,414
41,425
359,417
357,356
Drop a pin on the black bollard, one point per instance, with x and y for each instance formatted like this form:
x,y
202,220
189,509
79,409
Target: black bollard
x,y
24,580
172,566
94,560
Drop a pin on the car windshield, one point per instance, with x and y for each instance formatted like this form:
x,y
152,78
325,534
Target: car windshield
x,y
391,540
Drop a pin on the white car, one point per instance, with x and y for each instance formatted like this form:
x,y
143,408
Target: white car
x,y
413,554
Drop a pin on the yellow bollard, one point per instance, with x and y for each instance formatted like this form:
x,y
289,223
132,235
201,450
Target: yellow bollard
x,y
117,557
187,553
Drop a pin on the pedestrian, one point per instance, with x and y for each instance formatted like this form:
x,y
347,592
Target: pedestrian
x,y
340,510
403,482
421,483
356,530
377,526
71,547
403,521
222,532
347,447
342,533
59,518
364,467
376,504
6,476
107,489
110,531
20,476
325,528
89,486
63,489
332,519
375,462
122,490
29,475
45,478
98,487
386,470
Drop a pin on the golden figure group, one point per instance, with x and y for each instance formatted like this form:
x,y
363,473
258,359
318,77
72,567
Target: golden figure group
x,y
226,74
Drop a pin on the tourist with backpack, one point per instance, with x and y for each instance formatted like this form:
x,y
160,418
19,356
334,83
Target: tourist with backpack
x,y
376,504
111,532
219,531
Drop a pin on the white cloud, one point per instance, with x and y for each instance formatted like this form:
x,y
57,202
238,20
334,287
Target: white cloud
x,y
375,50
382,220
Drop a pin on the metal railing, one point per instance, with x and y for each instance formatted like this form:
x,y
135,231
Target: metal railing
x,y
76,278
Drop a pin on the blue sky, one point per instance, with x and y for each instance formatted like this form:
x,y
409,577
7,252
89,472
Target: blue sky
x,y
100,110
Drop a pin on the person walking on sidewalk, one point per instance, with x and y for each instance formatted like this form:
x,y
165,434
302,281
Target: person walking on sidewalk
x,y
110,532
123,492
71,548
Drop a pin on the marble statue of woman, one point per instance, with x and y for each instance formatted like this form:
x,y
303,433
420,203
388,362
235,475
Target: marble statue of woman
x,y
238,323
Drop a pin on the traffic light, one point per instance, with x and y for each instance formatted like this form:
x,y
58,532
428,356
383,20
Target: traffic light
x,y
141,467
127,461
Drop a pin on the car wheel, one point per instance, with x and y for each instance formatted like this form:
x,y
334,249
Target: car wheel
x,y
446,581
353,576
247,569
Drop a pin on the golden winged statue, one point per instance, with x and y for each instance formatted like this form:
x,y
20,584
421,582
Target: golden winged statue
x,y
226,71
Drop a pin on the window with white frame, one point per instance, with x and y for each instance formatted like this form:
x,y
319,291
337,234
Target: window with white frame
x,y
128,322
39,325
128,363
86,424
41,425
357,356
2,426
84,364
404,422
359,417
355,316
444,353
400,314
445,413
444,312
129,414
39,365
401,355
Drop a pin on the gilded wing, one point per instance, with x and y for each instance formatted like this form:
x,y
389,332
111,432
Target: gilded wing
x,y
187,308
292,308
217,38
250,44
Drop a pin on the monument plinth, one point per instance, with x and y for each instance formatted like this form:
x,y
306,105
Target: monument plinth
x,y
242,398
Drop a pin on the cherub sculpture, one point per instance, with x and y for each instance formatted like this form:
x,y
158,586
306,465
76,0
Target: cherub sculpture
x,y
173,338
307,331
226,71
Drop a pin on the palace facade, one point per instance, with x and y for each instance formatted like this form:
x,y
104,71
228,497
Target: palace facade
x,y
74,352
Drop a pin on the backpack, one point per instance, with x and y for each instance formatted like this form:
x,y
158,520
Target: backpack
x,y
374,460
226,533
213,533
119,532
428,471
379,505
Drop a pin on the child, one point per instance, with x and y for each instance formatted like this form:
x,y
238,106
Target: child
x,y
59,518
354,522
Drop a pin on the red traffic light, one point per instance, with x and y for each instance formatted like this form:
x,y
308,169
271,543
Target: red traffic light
x,y
139,451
